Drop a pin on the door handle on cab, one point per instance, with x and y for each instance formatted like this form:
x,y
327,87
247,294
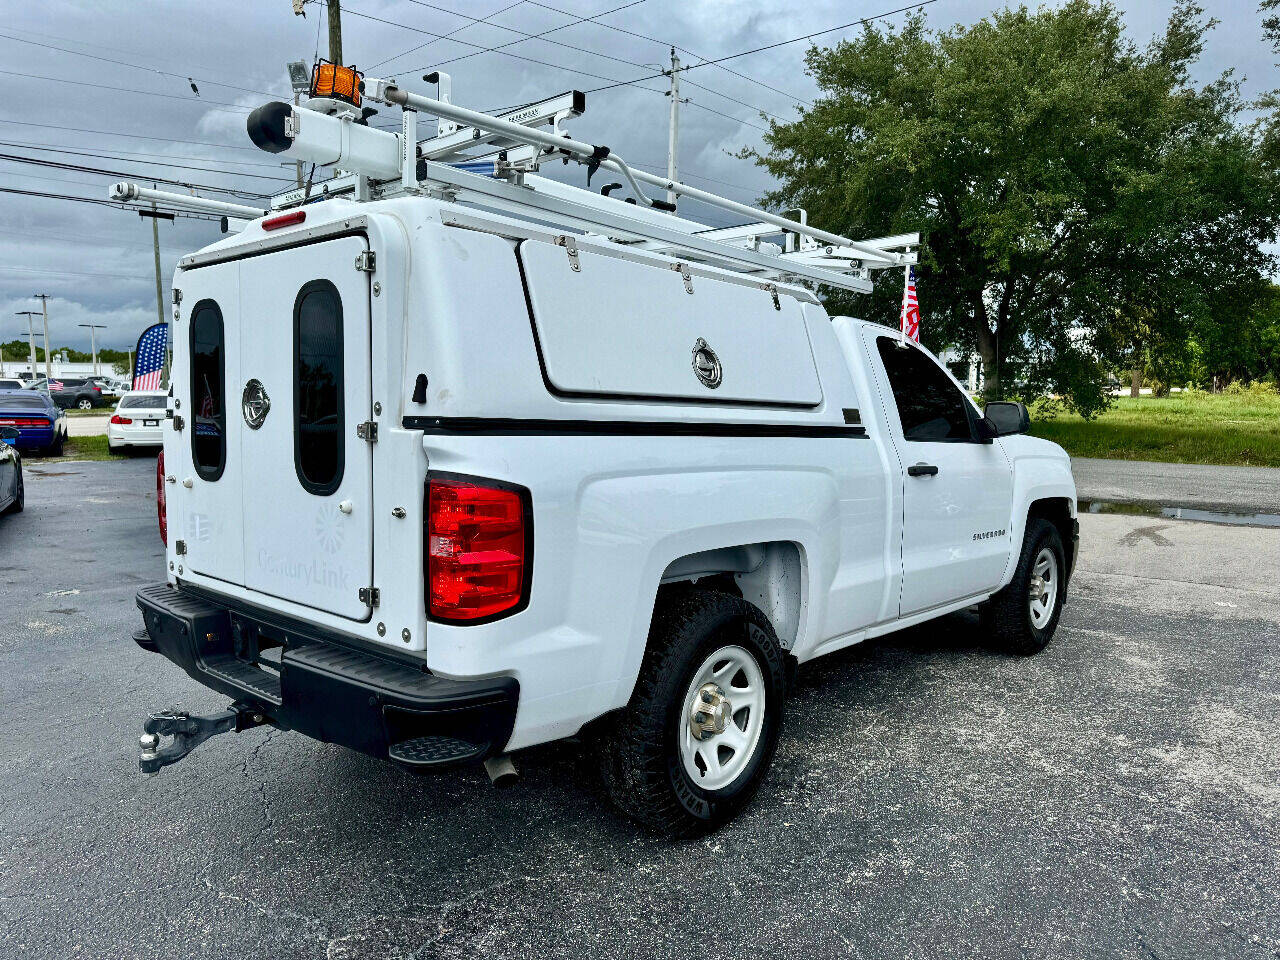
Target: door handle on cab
x,y
922,470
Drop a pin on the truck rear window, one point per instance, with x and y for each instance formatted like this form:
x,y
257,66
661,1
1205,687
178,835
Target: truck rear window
x,y
318,387
208,400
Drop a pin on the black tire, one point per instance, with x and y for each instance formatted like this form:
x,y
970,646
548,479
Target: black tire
x,y
19,501
641,762
1007,616
55,449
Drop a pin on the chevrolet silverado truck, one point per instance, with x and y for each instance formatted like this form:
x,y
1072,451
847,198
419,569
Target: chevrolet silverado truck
x,y
441,482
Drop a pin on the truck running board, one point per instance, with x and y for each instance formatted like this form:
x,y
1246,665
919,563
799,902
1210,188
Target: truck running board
x,y
188,732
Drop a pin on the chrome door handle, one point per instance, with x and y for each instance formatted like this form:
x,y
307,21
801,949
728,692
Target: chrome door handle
x,y
922,470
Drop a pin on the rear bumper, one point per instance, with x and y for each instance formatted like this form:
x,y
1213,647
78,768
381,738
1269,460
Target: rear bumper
x,y
329,689
32,438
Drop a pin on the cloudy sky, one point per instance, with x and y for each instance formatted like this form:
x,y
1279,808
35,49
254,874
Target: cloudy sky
x,y
105,86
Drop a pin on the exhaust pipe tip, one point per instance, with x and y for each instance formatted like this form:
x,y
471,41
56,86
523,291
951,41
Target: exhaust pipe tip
x,y
502,771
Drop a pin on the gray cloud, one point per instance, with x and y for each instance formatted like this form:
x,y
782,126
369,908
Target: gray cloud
x,y
96,261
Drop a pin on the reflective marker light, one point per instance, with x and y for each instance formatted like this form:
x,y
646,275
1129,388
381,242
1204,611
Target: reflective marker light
x,y
335,81
477,550
284,220
162,512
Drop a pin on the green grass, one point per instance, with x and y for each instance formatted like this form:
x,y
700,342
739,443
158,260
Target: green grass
x,y
103,411
1189,427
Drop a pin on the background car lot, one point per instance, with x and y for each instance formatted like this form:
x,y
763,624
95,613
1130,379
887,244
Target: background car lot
x,y
1118,795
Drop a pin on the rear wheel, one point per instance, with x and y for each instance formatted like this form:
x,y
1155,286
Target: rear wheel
x,y
85,403
1023,616
699,734
55,449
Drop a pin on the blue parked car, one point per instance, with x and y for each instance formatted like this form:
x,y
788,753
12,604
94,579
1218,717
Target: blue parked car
x,y
40,423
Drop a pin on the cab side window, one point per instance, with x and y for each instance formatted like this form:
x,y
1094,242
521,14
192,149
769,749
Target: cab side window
x,y
209,409
929,405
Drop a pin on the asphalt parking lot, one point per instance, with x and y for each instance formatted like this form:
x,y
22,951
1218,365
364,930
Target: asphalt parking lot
x,y
1116,796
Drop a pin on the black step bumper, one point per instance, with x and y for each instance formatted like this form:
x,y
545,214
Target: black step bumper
x,y
328,688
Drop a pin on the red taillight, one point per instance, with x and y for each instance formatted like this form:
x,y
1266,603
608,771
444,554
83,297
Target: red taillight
x,y
477,550
284,220
162,512
117,419
24,422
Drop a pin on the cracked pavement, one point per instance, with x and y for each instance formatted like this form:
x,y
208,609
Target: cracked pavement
x,y
1116,796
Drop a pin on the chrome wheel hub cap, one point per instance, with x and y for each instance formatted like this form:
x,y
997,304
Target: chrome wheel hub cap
x,y
723,718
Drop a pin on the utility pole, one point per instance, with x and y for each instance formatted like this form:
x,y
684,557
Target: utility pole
x,y
155,243
335,31
673,139
44,307
31,338
93,340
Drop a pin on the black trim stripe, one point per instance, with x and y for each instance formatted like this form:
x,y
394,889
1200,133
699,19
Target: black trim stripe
x,y
506,426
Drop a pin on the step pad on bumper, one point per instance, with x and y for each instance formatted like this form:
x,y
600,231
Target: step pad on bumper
x,y
434,751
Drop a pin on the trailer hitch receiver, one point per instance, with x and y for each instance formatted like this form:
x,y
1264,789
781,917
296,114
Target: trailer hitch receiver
x,y
188,732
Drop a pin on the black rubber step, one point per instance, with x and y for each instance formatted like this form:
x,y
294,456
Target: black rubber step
x,y
433,751
250,678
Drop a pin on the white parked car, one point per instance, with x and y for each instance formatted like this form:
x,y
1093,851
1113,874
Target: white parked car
x,y
442,483
137,420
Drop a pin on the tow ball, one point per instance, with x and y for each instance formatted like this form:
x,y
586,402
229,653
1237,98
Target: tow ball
x,y
188,732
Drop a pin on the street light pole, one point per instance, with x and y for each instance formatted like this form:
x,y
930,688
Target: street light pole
x,y
44,307
93,340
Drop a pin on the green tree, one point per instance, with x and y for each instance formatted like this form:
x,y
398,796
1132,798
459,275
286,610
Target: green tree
x,y
1064,180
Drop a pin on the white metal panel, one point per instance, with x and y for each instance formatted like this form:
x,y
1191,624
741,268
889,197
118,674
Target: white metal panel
x,y
616,328
298,545
207,513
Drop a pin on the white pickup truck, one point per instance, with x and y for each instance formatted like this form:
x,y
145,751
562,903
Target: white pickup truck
x,y
441,483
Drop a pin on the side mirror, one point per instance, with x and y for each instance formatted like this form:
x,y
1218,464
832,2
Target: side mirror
x,y
9,433
1008,417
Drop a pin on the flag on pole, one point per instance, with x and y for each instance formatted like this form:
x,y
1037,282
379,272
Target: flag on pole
x,y
148,359
910,307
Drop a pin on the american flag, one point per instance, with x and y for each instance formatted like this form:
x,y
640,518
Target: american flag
x,y
910,307
148,361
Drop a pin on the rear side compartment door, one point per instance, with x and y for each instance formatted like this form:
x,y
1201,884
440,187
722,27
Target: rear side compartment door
x,y
203,454
304,393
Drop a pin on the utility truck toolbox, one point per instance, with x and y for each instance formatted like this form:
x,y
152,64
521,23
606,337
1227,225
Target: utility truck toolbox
x,y
458,459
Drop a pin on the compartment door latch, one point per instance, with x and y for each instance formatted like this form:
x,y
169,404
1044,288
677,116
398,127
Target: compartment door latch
x,y
367,431
366,262
370,595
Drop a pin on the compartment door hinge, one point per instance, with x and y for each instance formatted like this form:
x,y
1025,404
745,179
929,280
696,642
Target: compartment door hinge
x,y
180,547
370,595
367,431
366,261
571,248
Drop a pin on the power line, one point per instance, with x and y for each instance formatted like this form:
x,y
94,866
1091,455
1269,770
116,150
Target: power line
x,y
498,49
94,200
154,163
130,136
136,66
129,156
84,168
780,43
73,273
452,33
595,19
194,101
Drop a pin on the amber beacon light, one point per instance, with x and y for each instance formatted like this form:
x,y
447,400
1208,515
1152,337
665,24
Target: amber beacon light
x,y
336,81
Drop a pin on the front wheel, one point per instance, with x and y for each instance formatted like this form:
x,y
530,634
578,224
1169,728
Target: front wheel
x,y
699,734
1023,616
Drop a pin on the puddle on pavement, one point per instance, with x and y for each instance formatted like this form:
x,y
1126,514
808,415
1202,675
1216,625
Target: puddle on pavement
x,y
1181,513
